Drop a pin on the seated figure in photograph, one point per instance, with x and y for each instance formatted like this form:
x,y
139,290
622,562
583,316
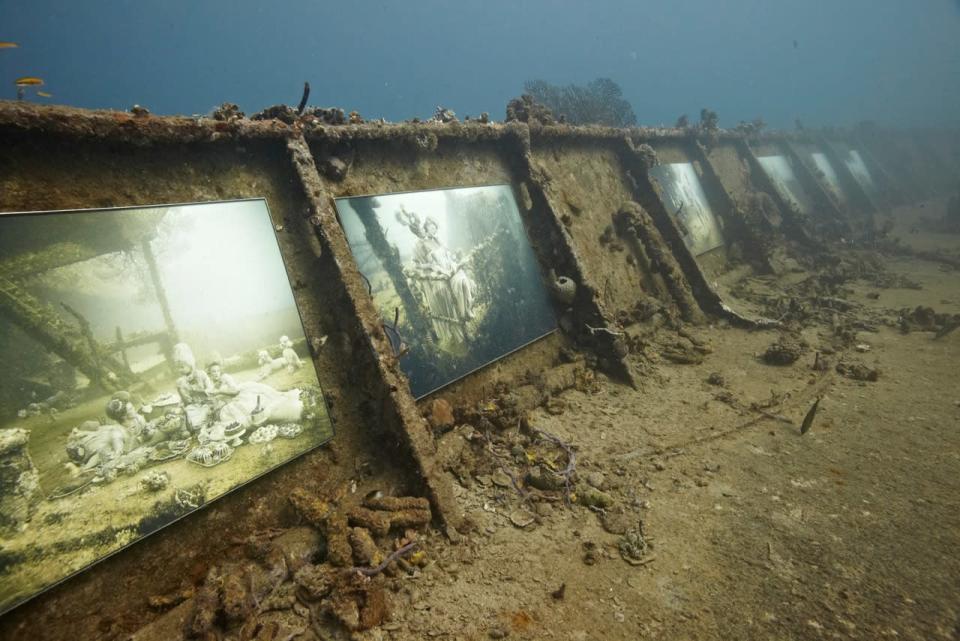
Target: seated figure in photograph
x,y
290,356
193,386
245,405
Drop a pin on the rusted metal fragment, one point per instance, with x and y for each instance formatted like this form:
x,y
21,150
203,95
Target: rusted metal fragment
x,y
339,552
375,521
311,507
365,550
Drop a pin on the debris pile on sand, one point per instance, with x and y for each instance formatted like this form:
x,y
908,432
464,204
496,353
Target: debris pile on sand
x,y
856,370
335,573
785,351
926,319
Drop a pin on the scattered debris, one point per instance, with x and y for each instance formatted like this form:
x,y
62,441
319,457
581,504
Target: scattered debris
x,y
926,319
591,553
522,518
785,351
283,113
527,109
606,330
227,112
857,371
444,116
716,378
324,116
440,414
633,546
616,522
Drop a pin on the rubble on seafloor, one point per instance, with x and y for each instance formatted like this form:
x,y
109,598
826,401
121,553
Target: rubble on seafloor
x,y
334,572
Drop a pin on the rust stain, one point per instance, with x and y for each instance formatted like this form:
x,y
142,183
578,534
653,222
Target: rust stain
x,y
520,621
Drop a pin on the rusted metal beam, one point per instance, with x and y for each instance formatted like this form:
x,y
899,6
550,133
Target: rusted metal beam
x,y
398,409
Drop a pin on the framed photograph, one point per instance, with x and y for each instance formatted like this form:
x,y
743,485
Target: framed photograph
x,y
155,360
454,276
828,175
861,174
687,204
780,172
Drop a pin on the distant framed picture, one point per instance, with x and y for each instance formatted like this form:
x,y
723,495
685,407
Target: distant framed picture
x,y
453,275
156,360
858,169
785,181
687,204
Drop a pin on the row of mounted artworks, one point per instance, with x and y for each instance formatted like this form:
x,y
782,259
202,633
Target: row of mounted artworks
x,y
162,361
683,195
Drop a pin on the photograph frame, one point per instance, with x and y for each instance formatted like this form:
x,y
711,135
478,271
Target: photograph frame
x,y
701,229
421,392
320,403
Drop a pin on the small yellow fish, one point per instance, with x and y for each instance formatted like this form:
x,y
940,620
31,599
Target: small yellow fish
x,y
44,94
29,81
8,45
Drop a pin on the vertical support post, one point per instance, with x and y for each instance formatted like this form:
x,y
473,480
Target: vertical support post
x,y
398,409
752,243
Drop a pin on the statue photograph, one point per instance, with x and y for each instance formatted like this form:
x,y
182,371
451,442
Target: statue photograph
x,y
454,277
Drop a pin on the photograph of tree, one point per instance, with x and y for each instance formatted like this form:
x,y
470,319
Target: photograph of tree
x,y
155,360
453,275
